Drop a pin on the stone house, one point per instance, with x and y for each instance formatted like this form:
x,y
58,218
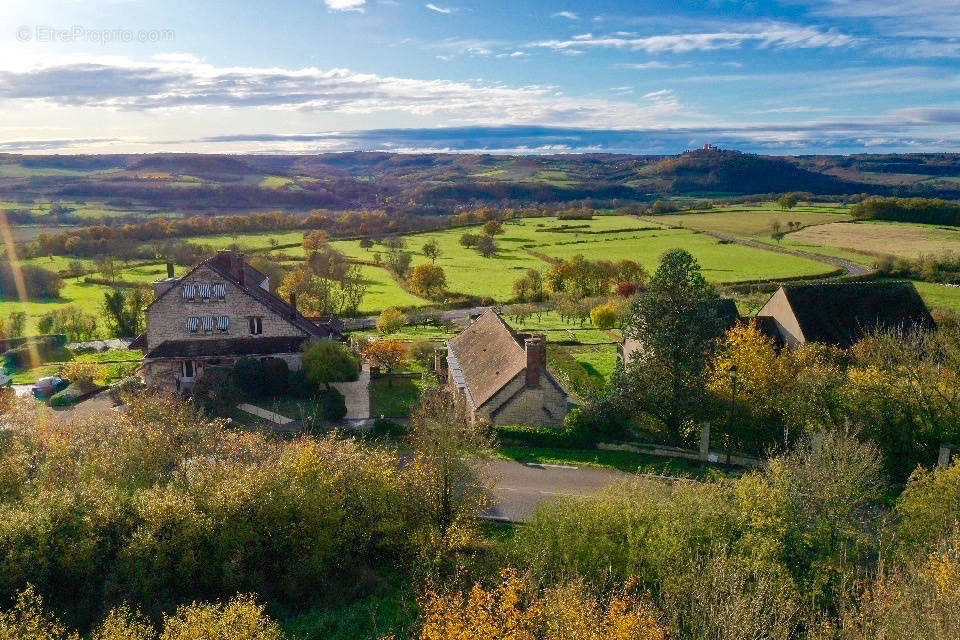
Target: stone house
x,y
503,376
220,311
726,308
841,313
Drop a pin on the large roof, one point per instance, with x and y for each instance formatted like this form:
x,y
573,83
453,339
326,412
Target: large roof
x,y
842,313
224,263
227,347
489,355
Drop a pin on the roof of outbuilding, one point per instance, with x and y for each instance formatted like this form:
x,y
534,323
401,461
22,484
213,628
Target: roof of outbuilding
x,y
489,354
843,313
227,347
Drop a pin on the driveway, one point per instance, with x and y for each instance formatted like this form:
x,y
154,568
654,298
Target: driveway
x,y
521,487
356,395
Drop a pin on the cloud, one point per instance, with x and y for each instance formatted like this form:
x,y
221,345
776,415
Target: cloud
x,y
145,87
444,10
569,15
896,17
345,5
653,64
774,36
514,54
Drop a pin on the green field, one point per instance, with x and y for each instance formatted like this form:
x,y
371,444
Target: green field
x,y
752,221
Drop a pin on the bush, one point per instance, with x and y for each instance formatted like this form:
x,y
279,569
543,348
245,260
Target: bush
x,y
125,388
327,361
276,376
605,316
387,427
299,386
75,392
86,373
535,436
250,375
217,392
333,405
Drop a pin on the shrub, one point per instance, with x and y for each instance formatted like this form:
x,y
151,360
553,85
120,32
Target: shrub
x,y
276,375
387,427
391,320
422,352
299,386
428,280
126,387
333,405
469,240
250,375
604,316
535,436
86,373
217,391
327,361
72,394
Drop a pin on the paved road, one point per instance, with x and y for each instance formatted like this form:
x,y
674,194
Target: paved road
x,y
520,487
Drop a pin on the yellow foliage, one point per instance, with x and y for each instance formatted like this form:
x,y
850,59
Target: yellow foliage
x,y
514,610
84,372
28,621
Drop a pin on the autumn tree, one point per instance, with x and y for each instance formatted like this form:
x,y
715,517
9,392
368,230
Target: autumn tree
x,y
487,246
387,354
604,316
428,280
314,240
492,227
391,320
788,200
530,287
366,243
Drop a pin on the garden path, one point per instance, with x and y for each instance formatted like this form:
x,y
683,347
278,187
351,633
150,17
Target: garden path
x,y
356,395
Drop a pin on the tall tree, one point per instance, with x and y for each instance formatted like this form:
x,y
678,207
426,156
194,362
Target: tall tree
x,y
677,322
431,249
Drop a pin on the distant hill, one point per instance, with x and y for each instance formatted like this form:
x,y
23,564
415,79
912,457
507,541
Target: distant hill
x,y
441,183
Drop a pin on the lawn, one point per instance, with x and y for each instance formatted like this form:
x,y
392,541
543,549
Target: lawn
x,y
619,460
901,239
394,397
939,295
119,363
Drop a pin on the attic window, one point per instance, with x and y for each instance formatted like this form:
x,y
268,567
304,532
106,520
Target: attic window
x,y
203,291
219,290
188,292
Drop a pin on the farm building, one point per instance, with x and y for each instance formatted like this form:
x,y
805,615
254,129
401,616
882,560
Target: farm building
x,y
222,310
503,374
726,308
841,313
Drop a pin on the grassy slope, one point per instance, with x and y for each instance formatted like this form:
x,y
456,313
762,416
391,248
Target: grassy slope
x,y
900,239
754,220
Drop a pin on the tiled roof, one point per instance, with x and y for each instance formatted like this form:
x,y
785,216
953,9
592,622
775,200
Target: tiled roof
x,y
842,313
485,356
227,347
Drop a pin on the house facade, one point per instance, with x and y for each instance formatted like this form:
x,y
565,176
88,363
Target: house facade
x,y
502,375
222,310
841,313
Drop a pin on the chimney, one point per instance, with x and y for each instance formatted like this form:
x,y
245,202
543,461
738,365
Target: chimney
x,y
293,303
236,265
536,348
170,270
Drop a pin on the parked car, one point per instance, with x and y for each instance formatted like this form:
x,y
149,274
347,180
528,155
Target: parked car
x,y
46,387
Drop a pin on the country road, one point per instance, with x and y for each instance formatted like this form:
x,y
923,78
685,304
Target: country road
x,y
520,487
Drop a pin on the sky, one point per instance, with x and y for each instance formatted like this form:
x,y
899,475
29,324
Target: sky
x,y
507,76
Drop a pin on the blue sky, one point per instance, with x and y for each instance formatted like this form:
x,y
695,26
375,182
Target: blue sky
x,y
795,76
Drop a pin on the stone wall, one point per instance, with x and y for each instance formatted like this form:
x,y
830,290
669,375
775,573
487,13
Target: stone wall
x,y
544,405
167,317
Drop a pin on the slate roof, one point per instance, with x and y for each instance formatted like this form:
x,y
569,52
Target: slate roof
x,y
227,347
487,355
768,327
842,313
223,264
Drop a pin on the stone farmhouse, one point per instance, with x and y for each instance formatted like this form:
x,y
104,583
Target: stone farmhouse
x,y
726,308
503,375
220,311
841,313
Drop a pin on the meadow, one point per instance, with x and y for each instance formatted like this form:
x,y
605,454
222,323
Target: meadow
x,y
753,221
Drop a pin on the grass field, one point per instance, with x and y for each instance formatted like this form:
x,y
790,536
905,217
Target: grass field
x,y
939,296
753,221
903,240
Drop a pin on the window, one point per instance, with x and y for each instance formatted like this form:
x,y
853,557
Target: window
x,y
219,290
207,323
256,325
193,324
186,369
188,292
203,290
223,323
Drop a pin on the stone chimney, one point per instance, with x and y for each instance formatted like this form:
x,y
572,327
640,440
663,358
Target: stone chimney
x,y
293,303
236,265
170,270
536,348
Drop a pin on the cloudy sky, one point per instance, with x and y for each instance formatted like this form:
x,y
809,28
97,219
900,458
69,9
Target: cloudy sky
x,y
504,76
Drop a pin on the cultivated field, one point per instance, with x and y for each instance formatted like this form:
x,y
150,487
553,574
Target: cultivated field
x,y
904,240
753,221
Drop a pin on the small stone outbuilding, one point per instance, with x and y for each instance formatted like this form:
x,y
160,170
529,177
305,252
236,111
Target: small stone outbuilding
x,y
503,375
